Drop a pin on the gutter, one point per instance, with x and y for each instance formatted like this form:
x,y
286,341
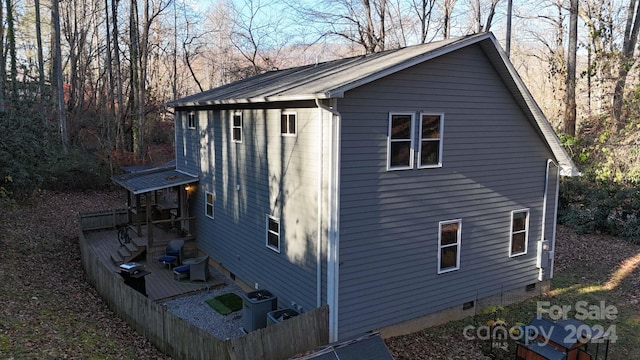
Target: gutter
x,y
333,196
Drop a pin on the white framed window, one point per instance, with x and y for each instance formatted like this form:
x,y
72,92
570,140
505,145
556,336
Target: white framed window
x,y
209,199
236,127
449,245
288,123
273,233
430,143
192,120
519,232
400,141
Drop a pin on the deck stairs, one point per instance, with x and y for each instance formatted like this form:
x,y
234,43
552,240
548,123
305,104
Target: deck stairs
x,y
130,251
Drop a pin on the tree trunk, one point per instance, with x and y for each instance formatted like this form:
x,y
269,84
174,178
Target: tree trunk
x,y
11,42
57,65
508,36
120,120
134,100
570,84
109,64
626,60
3,63
448,10
41,90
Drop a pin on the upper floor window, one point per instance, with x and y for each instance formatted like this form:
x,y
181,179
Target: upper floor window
x,y
449,245
273,233
191,120
236,127
519,232
208,206
288,124
430,151
403,144
400,141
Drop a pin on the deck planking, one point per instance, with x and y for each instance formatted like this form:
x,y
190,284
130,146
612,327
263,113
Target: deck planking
x,y
160,283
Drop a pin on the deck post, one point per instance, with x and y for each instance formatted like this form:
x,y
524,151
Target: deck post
x,y
138,221
149,226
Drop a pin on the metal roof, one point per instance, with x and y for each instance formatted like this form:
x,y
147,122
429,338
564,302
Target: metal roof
x,y
316,81
332,79
141,182
367,347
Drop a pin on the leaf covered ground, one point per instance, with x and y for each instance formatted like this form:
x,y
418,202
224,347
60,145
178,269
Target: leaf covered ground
x,y
48,308
50,311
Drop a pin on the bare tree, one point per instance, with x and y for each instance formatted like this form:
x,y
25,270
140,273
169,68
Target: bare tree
x,y
478,9
626,60
57,61
120,120
40,58
11,42
3,63
424,11
570,84
362,22
598,17
447,10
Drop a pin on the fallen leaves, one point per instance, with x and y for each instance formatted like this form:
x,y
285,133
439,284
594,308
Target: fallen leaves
x,y
49,309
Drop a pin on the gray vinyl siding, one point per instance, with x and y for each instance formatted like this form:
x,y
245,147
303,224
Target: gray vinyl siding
x,y
493,163
187,143
276,175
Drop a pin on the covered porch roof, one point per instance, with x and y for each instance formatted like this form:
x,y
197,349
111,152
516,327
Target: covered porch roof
x,y
140,182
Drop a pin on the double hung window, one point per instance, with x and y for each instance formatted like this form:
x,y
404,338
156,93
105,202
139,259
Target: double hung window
x,y
408,139
449,245
236,127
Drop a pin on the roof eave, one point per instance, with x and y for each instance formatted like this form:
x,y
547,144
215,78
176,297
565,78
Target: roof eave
x,y
254,100
339,91
566,165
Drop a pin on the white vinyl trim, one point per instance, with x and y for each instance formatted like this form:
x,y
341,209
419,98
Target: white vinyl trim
x,y
411,140
269,231
288,132
457,244
234,127
208,204
440,141
525,231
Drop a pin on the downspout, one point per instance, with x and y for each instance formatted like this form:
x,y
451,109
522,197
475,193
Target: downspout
x,y
552,250
319,200
547,248
333,216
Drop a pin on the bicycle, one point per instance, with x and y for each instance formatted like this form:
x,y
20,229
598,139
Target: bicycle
x,y
123,235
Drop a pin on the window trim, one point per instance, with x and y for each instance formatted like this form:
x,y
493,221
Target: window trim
x,y
192,120
207,204
458,243
268,231
526,232
287,133
440,140
411,144
233,126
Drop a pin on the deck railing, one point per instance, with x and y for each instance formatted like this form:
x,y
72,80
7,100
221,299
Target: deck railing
x,y
107,219
183,340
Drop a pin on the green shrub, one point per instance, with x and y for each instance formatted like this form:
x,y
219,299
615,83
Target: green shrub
x,y
589,206
76,171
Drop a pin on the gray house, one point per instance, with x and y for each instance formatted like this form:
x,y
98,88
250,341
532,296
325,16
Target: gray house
x,y
389,186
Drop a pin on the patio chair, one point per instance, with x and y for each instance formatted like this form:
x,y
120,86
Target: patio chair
x,y
199,269
173,253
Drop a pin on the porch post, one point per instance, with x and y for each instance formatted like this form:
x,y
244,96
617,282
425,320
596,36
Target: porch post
x,y
149,222
138,221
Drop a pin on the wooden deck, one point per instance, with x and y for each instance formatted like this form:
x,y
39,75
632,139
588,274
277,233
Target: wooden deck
x,y
160,283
